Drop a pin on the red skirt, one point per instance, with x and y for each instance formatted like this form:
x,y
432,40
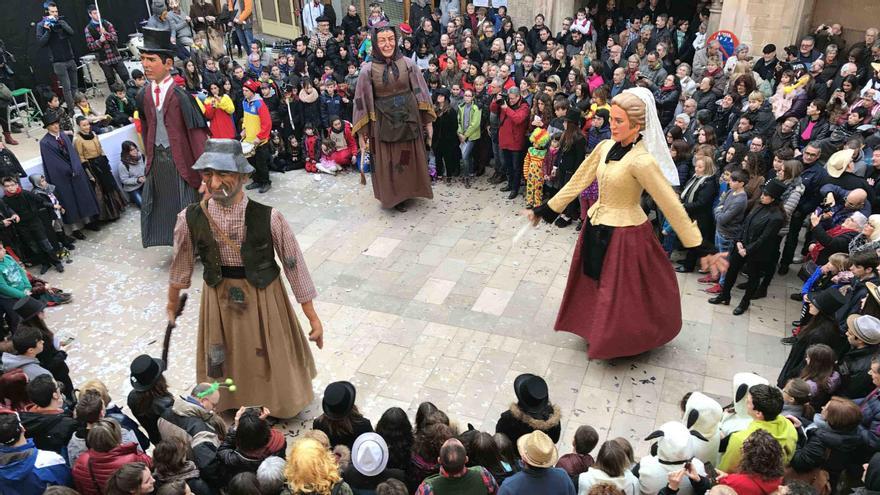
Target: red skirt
x,y
633,307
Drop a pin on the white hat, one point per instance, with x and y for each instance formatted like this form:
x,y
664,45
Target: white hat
x,y
369,454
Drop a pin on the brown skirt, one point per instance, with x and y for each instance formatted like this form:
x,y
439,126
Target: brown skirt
x,y
267,354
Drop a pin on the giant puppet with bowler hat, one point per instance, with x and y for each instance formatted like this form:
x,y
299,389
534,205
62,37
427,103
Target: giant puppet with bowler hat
x,y
247,327
174,131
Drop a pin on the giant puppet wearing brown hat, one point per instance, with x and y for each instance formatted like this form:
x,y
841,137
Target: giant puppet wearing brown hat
x,y
174,132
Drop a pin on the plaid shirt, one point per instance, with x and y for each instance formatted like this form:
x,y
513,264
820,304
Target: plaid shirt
x,y
231,221
485,475
108,53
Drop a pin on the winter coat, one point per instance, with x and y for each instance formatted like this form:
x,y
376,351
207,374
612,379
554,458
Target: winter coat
x,y
706,100
779,427
64,170
331,105
832,450
30,365
729,214
532,480
779,140
832,241
700,207
667,101
93,469
760,234
514,123
574,464
472,133
202,430
233,461
25,470
724,120
190,474
790,199
853,367
149,418
515,423
750,484
50,430
359,427
821,130
869,429
762,122
77,445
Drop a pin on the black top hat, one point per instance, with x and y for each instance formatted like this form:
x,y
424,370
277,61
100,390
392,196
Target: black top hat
x,y
27,307
145,372
224,155
338,399
531,393
827,301
157,41
774,188
573,115
51,117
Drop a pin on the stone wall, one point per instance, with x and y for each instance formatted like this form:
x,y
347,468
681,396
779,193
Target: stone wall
x,y
758,22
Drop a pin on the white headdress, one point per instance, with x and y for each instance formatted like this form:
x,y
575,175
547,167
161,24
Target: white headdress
x,y
653,136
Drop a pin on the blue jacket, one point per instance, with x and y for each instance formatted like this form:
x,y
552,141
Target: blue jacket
x,y
869,429
813,178
330,105
538,480
26,470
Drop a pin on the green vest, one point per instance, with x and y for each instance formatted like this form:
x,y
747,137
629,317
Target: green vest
x,y
257,250
469,484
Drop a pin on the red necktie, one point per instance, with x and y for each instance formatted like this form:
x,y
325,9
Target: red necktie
x,y
157,91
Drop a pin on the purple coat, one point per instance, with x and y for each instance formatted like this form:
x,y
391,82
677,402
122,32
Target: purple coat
x,y
67,175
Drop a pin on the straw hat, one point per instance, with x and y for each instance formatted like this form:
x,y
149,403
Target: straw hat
x,y
537,450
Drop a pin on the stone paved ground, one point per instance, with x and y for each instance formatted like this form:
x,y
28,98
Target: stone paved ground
x,y
433,304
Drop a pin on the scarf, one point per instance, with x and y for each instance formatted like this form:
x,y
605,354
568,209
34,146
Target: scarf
x,y
186,472
832,232
87,137
690,190
14,194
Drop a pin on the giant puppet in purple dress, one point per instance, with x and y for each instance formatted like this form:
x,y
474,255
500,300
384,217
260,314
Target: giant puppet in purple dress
x,y
393,113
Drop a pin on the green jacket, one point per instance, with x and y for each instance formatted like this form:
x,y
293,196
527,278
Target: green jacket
x,y
13,279
472,133
780,428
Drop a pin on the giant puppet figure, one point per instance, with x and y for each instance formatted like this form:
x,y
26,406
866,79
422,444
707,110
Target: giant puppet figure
x,y
391,107
174,132
247,327
622,295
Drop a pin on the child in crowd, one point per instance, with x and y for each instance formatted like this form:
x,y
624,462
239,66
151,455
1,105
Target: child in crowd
x,y
550,167
331,103
52,220
353,74
533,167
796,401
729,216
82,108
119,106
312,149
585,440
133,172
97,165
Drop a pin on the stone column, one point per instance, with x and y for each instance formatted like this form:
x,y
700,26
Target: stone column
x,y
715,15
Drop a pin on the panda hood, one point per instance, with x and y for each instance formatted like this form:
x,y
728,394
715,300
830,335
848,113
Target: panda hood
x,y
703,414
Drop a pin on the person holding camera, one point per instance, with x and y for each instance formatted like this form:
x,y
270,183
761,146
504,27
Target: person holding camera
x,y
514,122
830,34
54,32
